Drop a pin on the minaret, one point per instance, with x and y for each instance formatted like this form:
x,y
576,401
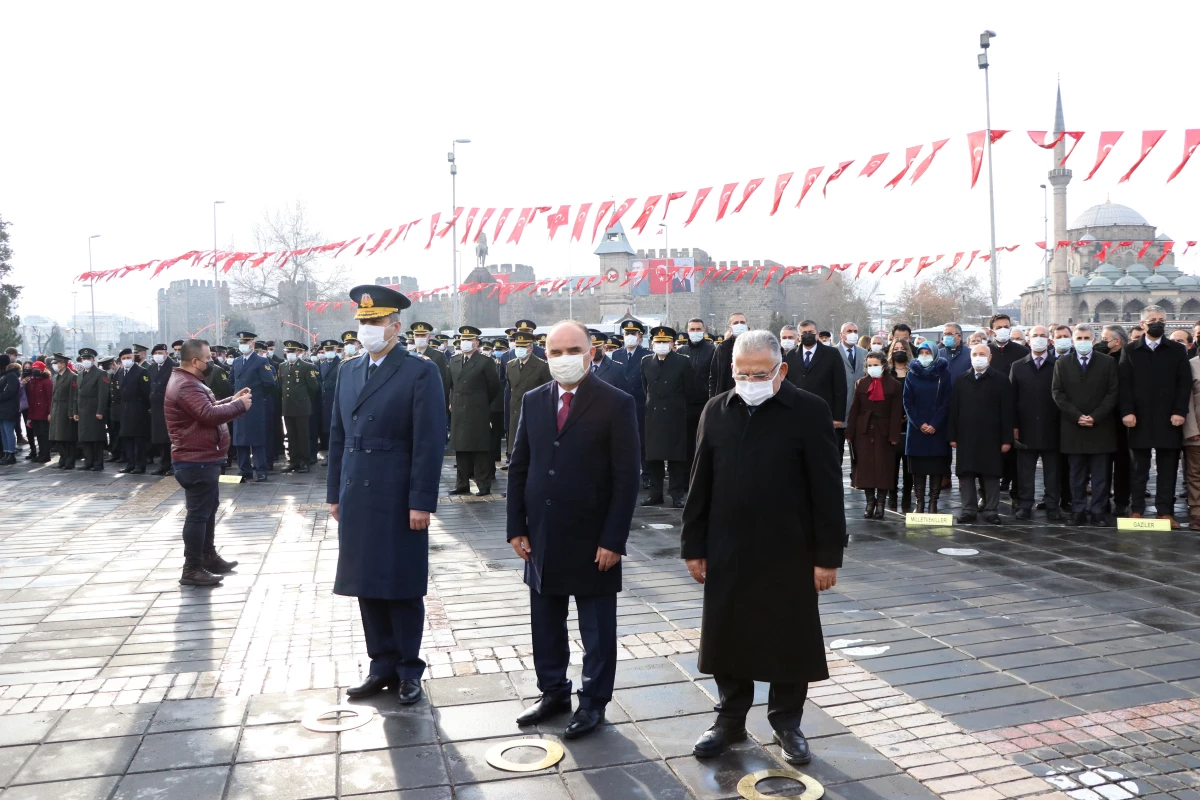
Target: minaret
x,y
1060,305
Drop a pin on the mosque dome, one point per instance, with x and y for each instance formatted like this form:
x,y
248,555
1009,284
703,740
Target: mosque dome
x,y
1108,270
1108,214
1081,280
1131,281
1155,280
1087,237
1187,282
1098,280
1138,270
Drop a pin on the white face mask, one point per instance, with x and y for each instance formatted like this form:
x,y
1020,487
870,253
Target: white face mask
x,y
608,353
630,340
86,363
738,328
245,348
980,362
696,337
373,337
1062,345
270,352
568,370
1039,344
520,352
350,349
875,371
421,342
410,347
926,360
291,357
850,338
876,347
159,358
787,344
1003,334
1084,347
126,362
467,345
54,367
755,393
661,348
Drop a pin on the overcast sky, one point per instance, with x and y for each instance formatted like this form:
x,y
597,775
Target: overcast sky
x,y
128,120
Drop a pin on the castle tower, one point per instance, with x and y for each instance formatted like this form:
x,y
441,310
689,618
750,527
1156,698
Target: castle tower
x,y
616,255
1060,278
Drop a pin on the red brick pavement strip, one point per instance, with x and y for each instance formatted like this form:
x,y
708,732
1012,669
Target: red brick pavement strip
x,y
1093,726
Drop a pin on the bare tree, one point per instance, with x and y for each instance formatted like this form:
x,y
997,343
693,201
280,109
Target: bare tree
x,y
944,297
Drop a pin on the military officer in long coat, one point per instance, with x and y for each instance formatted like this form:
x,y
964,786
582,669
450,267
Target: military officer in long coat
x,y
521,326
386,446
91,409
602,366
525,371
328,372
474,382
668,382
217,379
297,385
112,414
63,430
251,370
629,380
159,370
133,385
421,334
496,416
351,346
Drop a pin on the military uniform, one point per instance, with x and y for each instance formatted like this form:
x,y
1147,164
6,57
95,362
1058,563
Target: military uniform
x,y
251,434
429,348
521,376
496,416
669,382
297,385
133,385
474,383
112,414
629,380
327,375
217,379
160,440
63,429
90,411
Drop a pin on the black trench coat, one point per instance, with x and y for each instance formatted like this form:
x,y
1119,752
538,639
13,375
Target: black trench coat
x,y
62,401
474,382
1154,385
1035,414
135,402
159,374
981,421
91,398
765,507
668,385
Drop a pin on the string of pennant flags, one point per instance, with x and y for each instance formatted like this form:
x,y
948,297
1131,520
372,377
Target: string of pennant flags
x,y
577,216
502,288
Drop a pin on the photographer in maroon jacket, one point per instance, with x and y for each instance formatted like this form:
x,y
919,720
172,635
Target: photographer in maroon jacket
x,y
197,423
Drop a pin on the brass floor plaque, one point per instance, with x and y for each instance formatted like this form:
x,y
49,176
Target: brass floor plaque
x,y
362,715
495,756
813,790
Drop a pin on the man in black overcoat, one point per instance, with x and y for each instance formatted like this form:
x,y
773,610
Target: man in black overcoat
x,y
668,382
134,386
818,369
158,368
1036,420
763,529
1005,353
1156,387
700,349
980,428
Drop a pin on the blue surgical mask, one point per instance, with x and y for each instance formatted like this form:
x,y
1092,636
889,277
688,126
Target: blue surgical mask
x,y
926,360
1084,347
948,341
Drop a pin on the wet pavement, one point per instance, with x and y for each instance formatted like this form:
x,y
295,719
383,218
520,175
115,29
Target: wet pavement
x,y
1035,660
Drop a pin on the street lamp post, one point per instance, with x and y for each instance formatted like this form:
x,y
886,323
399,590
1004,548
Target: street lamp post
x,y
1046,255
985,41
667,236
92,289
74,324
216,280
454,227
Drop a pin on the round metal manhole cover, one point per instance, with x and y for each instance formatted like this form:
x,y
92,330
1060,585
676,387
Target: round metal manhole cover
x,y
747,786
495,756
360,715
958,551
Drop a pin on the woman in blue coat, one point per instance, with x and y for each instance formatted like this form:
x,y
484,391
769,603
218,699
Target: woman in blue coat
x,y
927,406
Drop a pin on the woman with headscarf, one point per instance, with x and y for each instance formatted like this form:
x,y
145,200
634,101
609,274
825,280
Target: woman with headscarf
x,y
900,358
927,406
873,429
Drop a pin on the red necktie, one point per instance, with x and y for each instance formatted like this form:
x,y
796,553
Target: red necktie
x,y
565,410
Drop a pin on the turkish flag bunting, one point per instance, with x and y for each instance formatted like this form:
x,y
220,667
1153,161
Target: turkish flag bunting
x,y
519,228
1108,139
604,207
483,223
620,212
1149,139
558,219
1191,140
352,241
364,244
892,266
534,212
875,163
726,195
470,221
500,224
789,271
924,165
1009,248
1041,245
670,197
399,231
1039,138
910,155
1189,245
379,243
453,220
699,201
432,227
780,184
833,176
1103,254
1145,247
580,218
410,226
907,261
975,145
749,190
985,256
925,262
1061,244
860,269
1075,137
972,261
957,258
1119,244
1167,247
770,274
647,210
874,266
810,178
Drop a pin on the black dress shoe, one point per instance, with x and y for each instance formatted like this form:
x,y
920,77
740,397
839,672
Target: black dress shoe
x,y
138,471
410,692
98,468
260,478
484,492
159,471
677,502
795,746
303,468
546,706
994,519
217,565
125,470
374,684
1099,520
965,518
584,722
1121,511
1041,506
1023,513
459,491
652,501
714,740
1079,519
1054,516
198,576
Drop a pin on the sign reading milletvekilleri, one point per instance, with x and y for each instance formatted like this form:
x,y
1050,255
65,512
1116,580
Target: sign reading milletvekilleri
x,y
1127,524
944,520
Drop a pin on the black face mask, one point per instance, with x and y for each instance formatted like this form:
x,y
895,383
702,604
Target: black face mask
x,y
808,339
900,357
208,368
1156,329
1101,346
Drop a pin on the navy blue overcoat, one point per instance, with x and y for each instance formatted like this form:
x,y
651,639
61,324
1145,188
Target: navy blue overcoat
x,y
927,400
255,373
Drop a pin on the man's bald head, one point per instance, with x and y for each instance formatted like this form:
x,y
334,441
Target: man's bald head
x,y
568,337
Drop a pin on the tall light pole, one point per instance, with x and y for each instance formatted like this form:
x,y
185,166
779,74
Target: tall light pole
x,y
454,227
1046,255
74,324
667,236
92,289
985,41
216,280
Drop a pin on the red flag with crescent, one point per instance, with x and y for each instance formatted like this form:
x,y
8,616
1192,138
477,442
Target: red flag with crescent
x,y
1149,139
457,213
558,219
470,221
875,163
500,224
975,145
519,227
972,261
647,210
1167,247
874,266
1145,247
620,212
399,231
810,178
910,155
1103,254
1189,245
355,239
780,184
957,258
699,201
726,195
483,223
433,228
379,243
833,176
1191,140
670,197
604,207
1108,140
925,263
749,190
860,269
892,266
580,218
924,165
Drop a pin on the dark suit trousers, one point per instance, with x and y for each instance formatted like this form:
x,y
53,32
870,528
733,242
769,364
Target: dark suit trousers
x,y
1120,468
259,452
297,440
477,464
785,702
1009,478
552,652
135,451
497,419
1166,472
991,492
93,454
392,629
1027,472
693,426
1089,466
66,453
679,478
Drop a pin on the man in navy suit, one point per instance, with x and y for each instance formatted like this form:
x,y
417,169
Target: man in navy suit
x,y
251,370
385,460
572,485
629,361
